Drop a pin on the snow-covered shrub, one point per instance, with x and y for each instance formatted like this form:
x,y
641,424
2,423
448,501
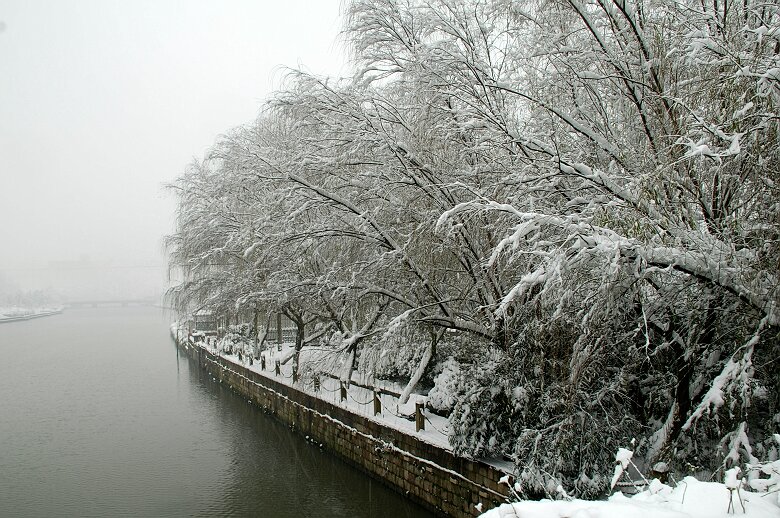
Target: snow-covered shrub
x,y
481,422
443,396
561,398
395,356
765,476
238,339
243,330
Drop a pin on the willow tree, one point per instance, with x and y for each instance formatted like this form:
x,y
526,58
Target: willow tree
x,y
579,196
630,152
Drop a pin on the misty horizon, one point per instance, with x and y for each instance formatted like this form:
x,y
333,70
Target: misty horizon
x,y
104,104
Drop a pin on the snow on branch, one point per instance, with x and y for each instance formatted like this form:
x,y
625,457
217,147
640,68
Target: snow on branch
x,y
734,378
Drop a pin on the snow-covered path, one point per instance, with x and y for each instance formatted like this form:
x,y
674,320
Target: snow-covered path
x,y
359,399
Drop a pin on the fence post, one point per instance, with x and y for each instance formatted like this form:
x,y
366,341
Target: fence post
x,y
343,391
377,403
278,368
419,418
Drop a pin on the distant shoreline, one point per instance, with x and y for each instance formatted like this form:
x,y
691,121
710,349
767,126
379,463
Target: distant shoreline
x,y
29,316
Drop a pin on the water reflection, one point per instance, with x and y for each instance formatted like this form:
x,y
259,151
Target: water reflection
x,y
298,479
101,416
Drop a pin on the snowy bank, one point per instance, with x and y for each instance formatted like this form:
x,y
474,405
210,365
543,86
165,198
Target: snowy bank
x,y
15,313
690,499
408,462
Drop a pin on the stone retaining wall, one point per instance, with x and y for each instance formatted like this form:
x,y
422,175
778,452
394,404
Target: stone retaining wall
x,y
432,476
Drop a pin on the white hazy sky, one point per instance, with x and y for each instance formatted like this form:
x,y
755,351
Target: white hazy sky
x,y
104,101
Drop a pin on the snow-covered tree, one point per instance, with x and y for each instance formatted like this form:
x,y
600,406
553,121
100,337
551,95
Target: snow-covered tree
x,y
583,191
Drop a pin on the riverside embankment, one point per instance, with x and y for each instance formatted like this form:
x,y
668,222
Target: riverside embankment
x,y
426,473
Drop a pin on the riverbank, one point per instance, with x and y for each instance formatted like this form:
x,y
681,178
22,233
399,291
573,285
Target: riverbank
x,y
425,472
20,314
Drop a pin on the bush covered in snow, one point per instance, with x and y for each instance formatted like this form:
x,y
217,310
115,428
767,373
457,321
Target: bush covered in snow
x,y
394,358
444,394
239,338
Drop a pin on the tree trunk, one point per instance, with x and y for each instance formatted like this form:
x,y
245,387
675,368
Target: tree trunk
x,y
279,329
430,350
299,336
349,367
687,396
256,318
264,335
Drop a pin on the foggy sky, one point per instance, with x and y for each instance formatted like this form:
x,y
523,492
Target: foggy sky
x,y
102,102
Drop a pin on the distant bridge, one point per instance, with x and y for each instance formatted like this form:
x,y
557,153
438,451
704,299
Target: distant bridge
x,y
112,303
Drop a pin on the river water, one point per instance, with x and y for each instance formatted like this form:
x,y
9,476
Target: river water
x,y
101,416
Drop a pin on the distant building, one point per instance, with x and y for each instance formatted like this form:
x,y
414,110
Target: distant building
x,y
202,324
287,327
205,321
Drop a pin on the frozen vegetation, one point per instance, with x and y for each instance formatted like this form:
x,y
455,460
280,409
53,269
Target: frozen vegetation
x,y
561,218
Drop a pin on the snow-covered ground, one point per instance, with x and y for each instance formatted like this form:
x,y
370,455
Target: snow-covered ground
x,y
689,499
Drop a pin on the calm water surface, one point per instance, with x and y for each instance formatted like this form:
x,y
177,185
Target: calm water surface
x,y
100,416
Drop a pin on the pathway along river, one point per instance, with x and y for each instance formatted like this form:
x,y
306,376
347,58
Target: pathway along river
x,y
100,416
